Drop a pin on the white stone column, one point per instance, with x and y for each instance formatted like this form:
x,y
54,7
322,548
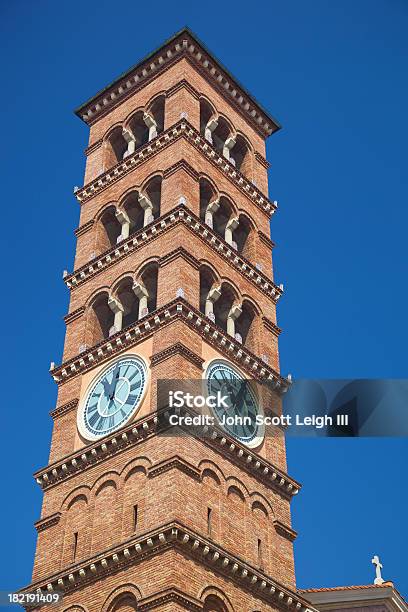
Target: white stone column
x,y
151,124
233,315
228,145
131,142
209,128
124,220
232,224
117,309
147,206
142,293
212,297
212,208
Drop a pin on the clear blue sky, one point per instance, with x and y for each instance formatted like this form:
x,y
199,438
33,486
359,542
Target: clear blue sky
x,y
335,75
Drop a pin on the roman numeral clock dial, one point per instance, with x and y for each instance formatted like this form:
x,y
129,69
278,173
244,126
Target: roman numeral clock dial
x,y
239,417
113,397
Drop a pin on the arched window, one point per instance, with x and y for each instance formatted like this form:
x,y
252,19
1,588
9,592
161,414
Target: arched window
x,y
242,156
243,237
153,192
214,604
156,110
100,319
207,120
208,202
134,211
244,326
129,302
109,229
145,288
116,147
208,292
139,129
126,603
221,216
225,309
221,136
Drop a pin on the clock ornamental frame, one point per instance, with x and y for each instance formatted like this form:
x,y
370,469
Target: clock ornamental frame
x,y
82,428
173,264
257,440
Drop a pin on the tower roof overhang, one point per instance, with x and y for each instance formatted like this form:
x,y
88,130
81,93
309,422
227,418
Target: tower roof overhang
x,y
183,44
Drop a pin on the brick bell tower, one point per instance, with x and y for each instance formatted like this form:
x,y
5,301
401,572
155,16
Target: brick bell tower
x,y
172,279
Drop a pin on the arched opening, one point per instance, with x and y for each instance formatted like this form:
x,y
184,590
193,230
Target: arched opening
x,y
214,604
134,211
243,236
221,216
208,293
242,156
153,192
126,603
221,137
244,328
207,202
156,110
146,289
101,319
110,229
116,147
223,308
139,130
206,114
129,301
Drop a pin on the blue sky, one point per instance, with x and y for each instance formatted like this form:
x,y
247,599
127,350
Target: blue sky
x,y
334,74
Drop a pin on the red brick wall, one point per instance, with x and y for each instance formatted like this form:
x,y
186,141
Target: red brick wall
x,y
96,506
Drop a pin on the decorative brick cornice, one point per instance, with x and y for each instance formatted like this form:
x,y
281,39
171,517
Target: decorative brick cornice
x,y
64,409
169,596
172,463
178,309
264,162
93,147
271,326
266,240
177,349
151,425
183,84
180,252
190,543
182,45
48,521
71,316
285,531
181,129
181,165
82,229
179,214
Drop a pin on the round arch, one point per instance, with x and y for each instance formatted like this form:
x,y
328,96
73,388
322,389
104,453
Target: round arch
x,y
125,591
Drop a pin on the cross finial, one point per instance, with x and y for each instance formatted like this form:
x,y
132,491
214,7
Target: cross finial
x,y
378,567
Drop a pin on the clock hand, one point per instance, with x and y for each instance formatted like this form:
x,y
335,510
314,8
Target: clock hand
x,y
238,397
105,385
111,391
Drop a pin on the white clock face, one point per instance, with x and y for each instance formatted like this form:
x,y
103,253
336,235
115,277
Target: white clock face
x,y
113,397
239,418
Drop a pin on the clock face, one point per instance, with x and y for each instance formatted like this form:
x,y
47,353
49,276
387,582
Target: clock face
x,y
241,401
113,397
